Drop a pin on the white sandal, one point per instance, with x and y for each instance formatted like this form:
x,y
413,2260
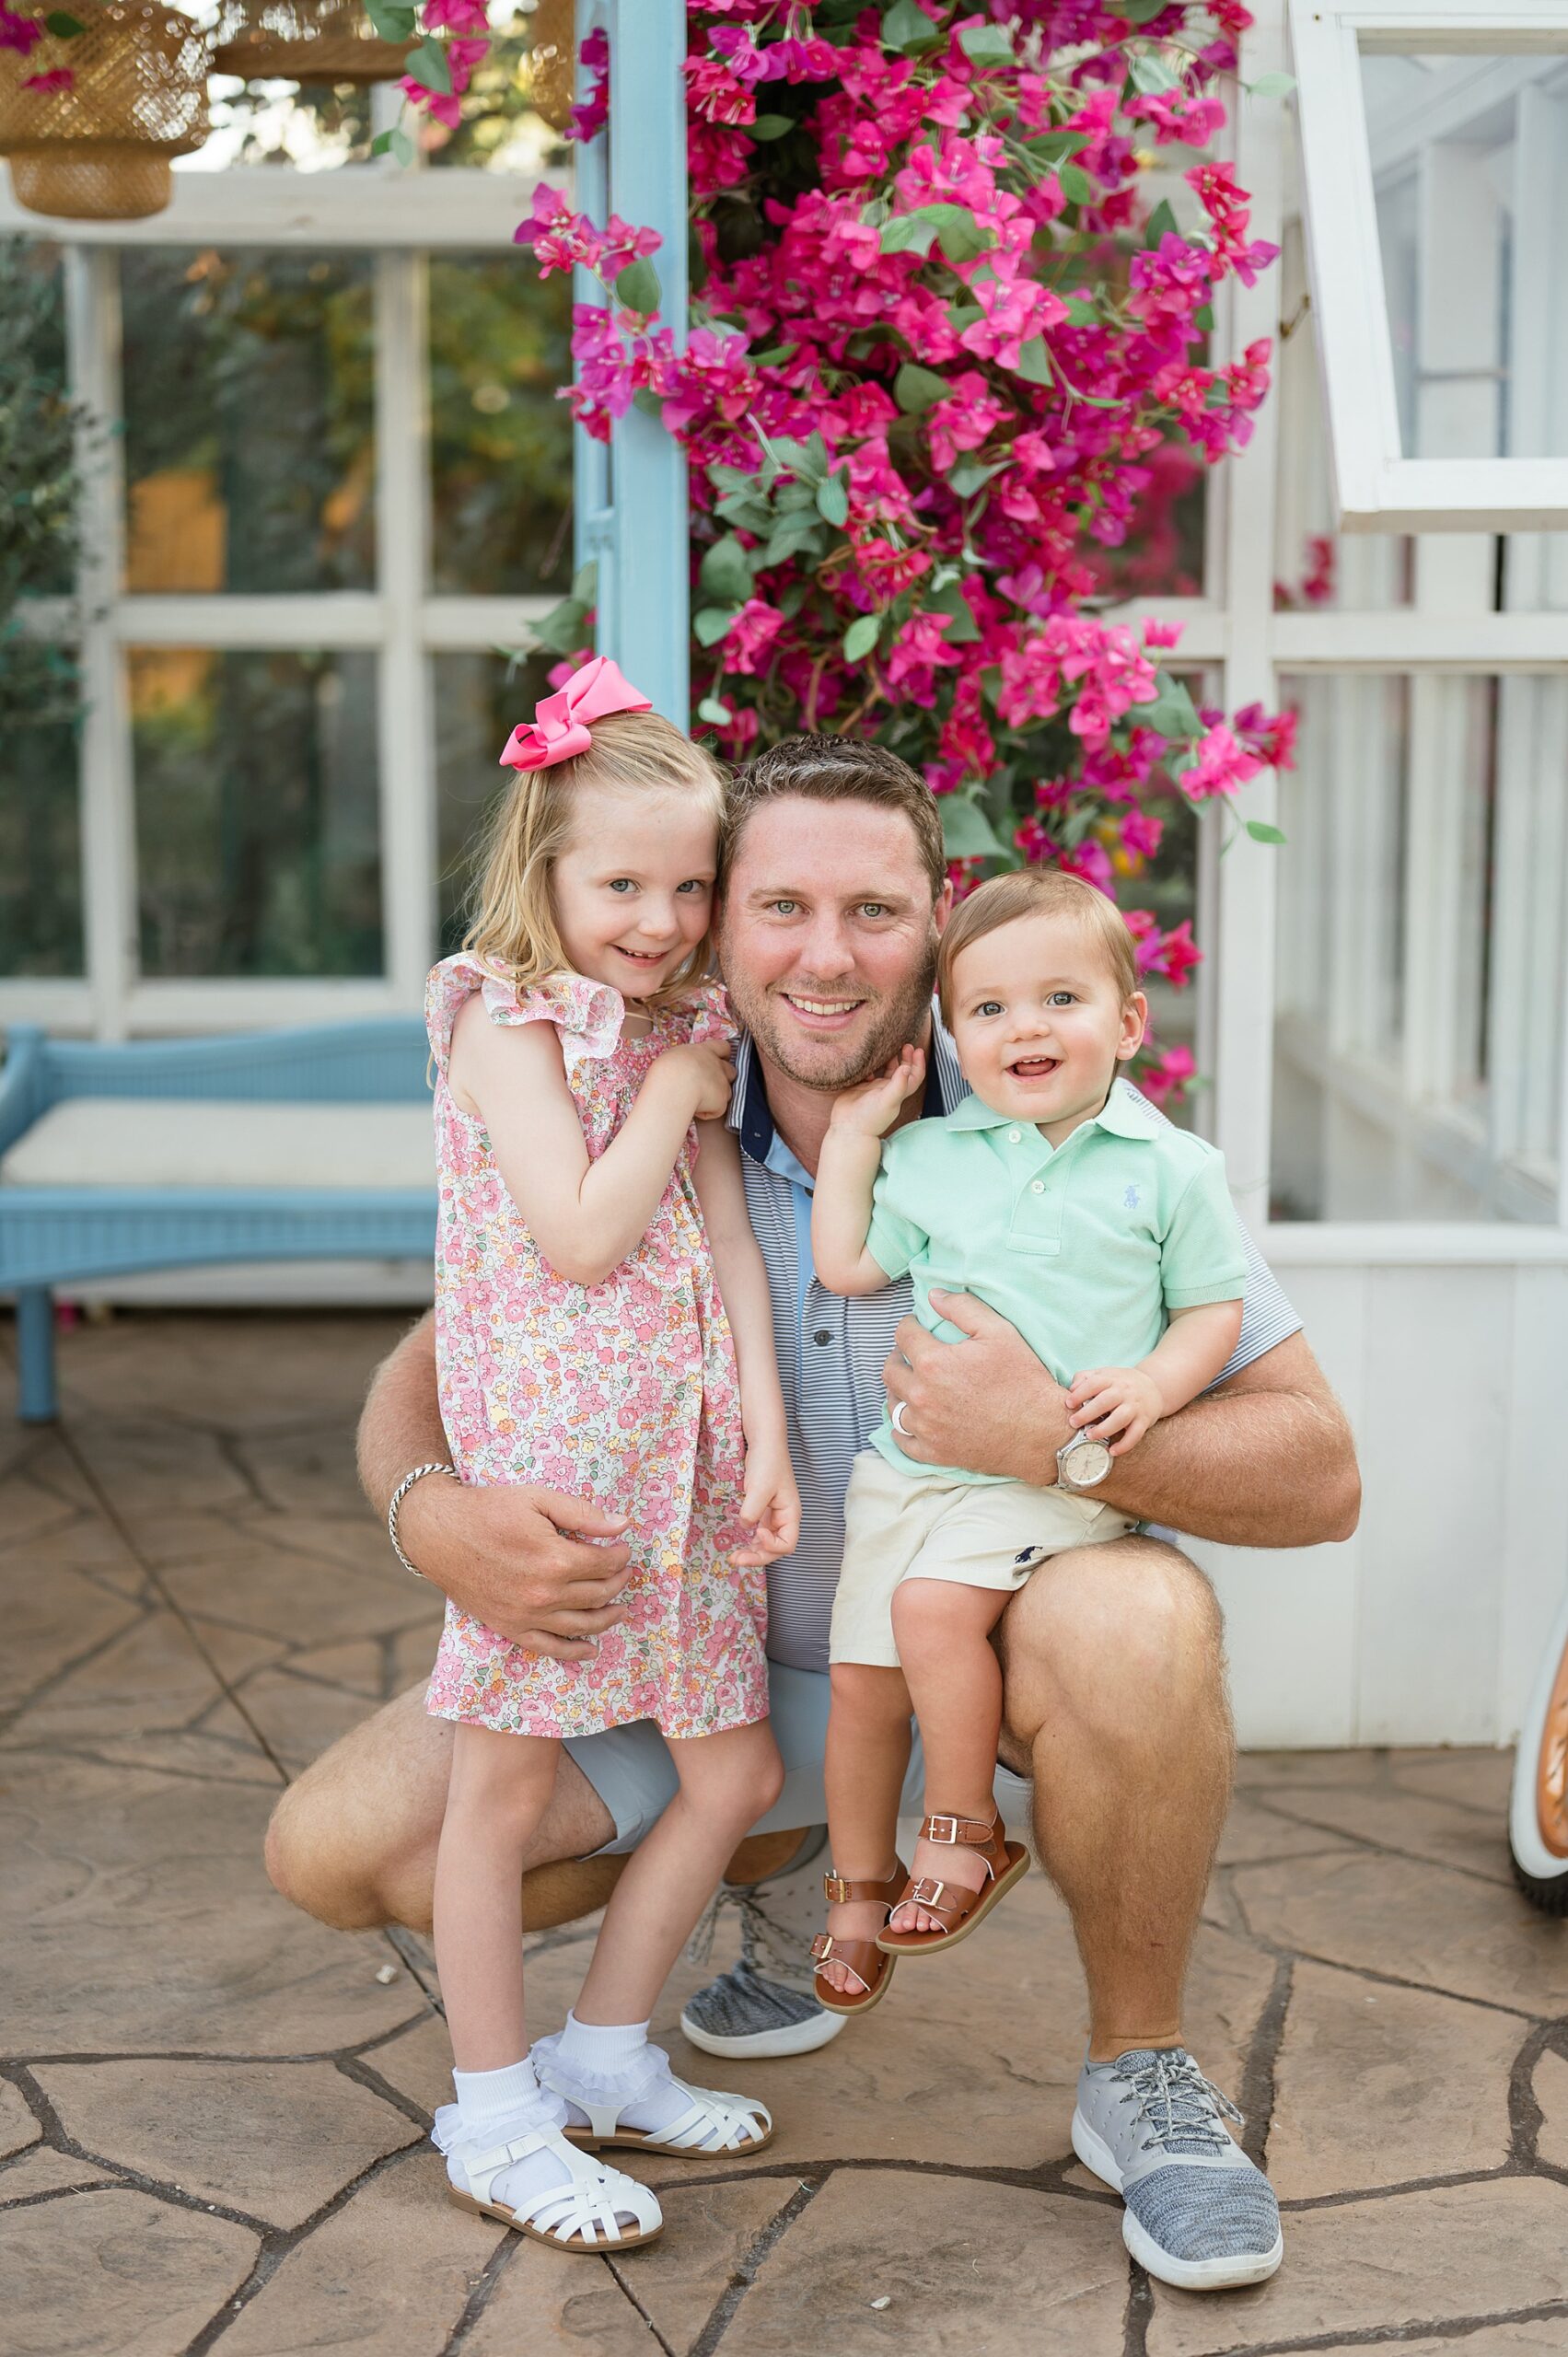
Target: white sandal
x,y
713,2122
581,2215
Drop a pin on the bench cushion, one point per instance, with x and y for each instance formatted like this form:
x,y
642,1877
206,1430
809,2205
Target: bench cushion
x,y
173,1142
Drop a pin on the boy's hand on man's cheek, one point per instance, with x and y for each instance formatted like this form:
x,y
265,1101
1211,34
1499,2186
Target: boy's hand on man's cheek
x,y
986,1403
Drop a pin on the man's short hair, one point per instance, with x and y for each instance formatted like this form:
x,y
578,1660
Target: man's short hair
x,y
820,768
1034,893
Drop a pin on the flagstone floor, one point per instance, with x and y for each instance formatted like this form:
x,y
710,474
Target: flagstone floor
x,y
212,2111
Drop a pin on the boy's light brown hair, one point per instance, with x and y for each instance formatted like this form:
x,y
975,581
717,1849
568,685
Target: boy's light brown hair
x,y
512,911
1037,892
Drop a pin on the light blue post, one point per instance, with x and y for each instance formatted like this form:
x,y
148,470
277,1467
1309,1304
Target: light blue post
x,y
631,515
36,1402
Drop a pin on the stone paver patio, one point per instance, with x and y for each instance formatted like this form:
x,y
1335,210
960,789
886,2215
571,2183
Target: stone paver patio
x,y
213,2112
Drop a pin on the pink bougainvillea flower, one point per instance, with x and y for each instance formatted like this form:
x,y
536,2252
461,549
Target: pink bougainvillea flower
x,y
1166,1080
60,77
21,33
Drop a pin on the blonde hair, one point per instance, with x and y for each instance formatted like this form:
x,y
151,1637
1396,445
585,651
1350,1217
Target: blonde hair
x,y
1037,892
512,913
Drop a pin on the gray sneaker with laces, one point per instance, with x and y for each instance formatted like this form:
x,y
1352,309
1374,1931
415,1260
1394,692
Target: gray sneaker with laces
x,y
749,2011
1199,2215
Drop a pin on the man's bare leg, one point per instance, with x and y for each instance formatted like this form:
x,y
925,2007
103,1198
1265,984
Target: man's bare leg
x,y
353,1840
1116,1704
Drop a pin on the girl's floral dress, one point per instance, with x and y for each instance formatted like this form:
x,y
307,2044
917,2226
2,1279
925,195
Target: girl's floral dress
x,y
625,1393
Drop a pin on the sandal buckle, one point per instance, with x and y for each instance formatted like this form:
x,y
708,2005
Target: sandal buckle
x,y
932,1828
821,1947
927,1891
835,1889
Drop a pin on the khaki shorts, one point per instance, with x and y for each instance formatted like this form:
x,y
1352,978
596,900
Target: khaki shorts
x,y
981,1533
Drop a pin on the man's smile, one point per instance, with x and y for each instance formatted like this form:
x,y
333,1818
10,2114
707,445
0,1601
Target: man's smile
x,y
822,1014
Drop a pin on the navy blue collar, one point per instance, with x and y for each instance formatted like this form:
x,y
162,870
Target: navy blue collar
x,y
750,1116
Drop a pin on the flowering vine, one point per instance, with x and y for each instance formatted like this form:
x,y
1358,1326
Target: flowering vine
x,y
942,353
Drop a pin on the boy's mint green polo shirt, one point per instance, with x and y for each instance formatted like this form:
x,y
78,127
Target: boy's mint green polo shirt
x,y
1082,1247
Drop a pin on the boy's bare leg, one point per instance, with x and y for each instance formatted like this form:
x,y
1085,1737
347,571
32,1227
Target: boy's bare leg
x,y
943,1628
868,1750
353,1840
1113,1658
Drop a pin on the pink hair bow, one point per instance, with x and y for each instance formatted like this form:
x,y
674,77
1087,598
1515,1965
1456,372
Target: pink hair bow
x,y
559,728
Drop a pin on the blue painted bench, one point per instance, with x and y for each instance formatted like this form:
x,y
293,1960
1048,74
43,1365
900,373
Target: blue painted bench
x,y
278,1145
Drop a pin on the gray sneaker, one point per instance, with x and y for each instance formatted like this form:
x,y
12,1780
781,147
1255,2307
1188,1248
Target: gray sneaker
x,y
1199,2215
747,2010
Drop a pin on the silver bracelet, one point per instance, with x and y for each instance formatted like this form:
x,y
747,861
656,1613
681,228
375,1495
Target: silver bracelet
x,y
398,1494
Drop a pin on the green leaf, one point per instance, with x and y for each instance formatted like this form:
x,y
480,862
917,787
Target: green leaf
x,y
832,499
1055,146
725,574
774,356
986,45
1204,317
584,581
1267,86
1034,362
962,627
563,630
1150,72
797,535
769,126
1081,312
1261,833
916,389
905,27
712,709
961,234
1172,714
908,233
1098,400
1076,184
427,66
393,20
963,315
967,832
861,637
396,143
637,288
66,27
1141,11
1161,223
967,478
710,623
648,403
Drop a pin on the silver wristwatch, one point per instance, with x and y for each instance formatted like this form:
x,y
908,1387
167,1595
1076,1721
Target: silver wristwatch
x,y
1081,1462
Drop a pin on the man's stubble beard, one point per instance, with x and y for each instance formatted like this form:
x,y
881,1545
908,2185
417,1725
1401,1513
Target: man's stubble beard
x,y
898,1022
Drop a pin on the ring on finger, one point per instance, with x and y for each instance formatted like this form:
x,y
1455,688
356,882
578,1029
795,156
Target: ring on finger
x,y
900,1418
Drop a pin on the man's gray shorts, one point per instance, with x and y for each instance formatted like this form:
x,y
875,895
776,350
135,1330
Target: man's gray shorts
x,y
630,1770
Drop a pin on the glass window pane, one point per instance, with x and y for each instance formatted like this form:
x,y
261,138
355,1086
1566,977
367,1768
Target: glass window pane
x,y
305,127
479,699
501,441
257,824
250,455
1465,158
40,844
38,433
1423,899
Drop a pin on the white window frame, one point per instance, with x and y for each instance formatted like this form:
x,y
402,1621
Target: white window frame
x,y
1379,489
401,217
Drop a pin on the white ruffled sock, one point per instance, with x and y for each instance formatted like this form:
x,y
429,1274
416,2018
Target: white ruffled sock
x,y
613,2062
495,2107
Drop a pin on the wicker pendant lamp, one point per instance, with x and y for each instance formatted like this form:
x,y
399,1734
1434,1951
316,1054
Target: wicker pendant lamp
x,y
304,41
552,61
132,93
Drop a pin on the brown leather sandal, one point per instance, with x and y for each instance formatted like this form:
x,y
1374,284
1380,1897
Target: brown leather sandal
x,y
863,1958
960,1908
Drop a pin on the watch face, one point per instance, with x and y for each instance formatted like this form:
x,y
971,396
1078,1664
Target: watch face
x,y
1087,1463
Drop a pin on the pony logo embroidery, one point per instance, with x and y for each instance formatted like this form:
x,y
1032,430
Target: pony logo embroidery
x,y
1130,1200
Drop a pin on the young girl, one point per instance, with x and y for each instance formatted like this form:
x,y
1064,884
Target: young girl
x,y
603,1329
1055,1194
